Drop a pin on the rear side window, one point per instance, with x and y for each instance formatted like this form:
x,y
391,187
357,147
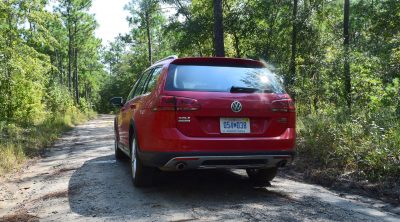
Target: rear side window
x,y
221,79
153,79
142,83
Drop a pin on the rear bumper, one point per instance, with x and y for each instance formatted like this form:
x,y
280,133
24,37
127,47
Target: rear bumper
x,y
171,140
211,160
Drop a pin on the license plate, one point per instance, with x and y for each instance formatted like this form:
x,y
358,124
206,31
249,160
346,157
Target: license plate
x,y
234,125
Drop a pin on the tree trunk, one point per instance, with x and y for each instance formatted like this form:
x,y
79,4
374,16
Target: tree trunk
x,y
292,67
346,44
76,76
237,43
87,92
218,29
60,67
8,68
147,15
70,48
53,72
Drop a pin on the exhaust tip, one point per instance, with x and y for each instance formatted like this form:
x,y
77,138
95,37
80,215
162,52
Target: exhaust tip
x,y
281,163
180,166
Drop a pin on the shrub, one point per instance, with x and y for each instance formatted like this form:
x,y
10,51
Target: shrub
x,y
353,143
58,99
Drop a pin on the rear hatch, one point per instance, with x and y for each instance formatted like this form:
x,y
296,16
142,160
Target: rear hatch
x,y
227,98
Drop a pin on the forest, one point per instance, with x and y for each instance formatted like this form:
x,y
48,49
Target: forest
x,y
339,59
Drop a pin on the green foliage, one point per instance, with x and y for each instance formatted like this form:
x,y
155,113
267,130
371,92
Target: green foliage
x,y
19,143
338,142
41,53
364,140
33,60
36,104
58,99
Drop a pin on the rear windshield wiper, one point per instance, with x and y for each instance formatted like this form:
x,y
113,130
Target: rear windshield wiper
x,y
237,89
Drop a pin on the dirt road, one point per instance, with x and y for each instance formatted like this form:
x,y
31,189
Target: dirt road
x,y
79,180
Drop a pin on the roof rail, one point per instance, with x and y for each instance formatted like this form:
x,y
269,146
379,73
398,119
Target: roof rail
x,y
166,58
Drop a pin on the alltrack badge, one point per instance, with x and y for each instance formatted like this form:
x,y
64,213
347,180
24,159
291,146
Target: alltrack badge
x,y
236,106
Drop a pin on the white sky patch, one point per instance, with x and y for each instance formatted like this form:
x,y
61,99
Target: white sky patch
x,y
111,18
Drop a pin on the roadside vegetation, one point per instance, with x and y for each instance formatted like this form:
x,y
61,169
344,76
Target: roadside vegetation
x,y
50,74
19,143
340,60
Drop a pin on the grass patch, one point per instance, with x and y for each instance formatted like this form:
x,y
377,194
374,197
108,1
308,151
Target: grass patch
x,y
19,143
335,146
360,151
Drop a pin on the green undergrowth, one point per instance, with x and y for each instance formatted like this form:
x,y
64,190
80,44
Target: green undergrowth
x,y
359,147
19,142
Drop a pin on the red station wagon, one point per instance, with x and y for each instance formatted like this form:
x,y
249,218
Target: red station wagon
x,y
206,113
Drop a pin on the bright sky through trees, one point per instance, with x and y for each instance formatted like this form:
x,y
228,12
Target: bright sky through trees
x,y
111,17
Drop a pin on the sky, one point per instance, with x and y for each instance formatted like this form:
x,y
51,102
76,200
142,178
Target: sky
x,y
111,18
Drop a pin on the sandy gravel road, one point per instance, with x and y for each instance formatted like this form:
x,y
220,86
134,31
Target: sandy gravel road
x,y
79,180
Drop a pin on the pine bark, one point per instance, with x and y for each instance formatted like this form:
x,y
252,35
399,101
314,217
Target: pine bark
x,y
346,44
147,17
70,48
218,29
76,83
292,67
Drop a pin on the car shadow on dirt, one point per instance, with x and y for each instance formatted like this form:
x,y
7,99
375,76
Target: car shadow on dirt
x,y
102,187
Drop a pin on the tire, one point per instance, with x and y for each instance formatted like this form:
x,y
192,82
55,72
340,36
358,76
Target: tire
x,y
262,176
142,176
119,155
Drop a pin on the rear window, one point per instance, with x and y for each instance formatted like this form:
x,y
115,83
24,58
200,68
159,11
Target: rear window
x,y
221,79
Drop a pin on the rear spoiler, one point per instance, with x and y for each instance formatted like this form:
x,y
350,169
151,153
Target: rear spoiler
x,y
219,61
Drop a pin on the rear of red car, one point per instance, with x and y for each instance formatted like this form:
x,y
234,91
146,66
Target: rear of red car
x,y
216,113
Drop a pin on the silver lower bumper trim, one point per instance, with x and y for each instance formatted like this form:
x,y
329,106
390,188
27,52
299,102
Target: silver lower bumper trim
x,y
222,162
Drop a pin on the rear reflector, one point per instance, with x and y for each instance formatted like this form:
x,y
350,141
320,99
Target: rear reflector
x,y
284,105
177,103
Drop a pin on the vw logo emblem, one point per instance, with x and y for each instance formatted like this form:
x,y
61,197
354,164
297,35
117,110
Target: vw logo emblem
x,y
236,106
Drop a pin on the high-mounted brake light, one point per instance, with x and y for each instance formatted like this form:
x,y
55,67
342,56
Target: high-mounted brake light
x,y
284,105
177,103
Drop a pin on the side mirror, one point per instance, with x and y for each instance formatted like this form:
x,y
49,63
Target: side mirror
x,y
117,101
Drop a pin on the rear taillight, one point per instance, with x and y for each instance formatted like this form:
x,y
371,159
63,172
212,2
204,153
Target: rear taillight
x,y
177,103
166,103
284,105
186,104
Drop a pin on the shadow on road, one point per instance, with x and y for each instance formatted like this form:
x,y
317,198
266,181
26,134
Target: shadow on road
x,y
102,187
